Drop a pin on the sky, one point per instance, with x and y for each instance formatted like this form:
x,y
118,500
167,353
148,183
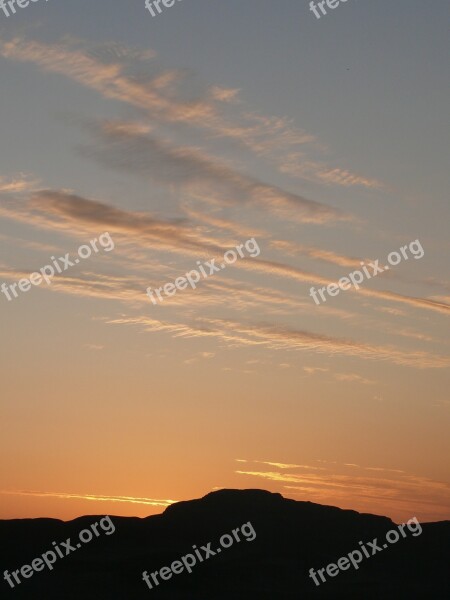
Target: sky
x,y
318,145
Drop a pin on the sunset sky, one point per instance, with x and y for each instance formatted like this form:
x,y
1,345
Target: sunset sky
x,y
183,136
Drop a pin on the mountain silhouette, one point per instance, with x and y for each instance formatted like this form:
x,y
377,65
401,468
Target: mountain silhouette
x,y
291,538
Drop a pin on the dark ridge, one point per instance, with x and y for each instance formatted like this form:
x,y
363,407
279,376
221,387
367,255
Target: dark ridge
x,y
291,537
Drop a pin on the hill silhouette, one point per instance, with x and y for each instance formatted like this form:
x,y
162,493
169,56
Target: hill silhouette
x,y
291,537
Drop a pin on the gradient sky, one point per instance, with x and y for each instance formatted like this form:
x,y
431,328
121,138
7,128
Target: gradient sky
x,y
182,136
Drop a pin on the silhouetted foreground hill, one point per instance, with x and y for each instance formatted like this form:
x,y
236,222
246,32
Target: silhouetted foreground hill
x,y
291,537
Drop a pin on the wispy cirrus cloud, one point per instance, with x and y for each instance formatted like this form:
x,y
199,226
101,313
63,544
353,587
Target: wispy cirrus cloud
x,y
295,249
298,165
280,465
376,489
116,72
120,146
20,182
312,370
353,378
58,209
15,241
90,497
283,338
